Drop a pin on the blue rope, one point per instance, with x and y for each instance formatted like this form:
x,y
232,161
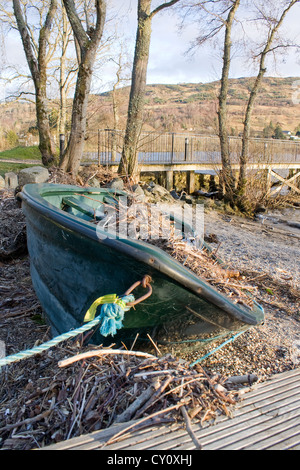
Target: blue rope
x,y
111,317
216,349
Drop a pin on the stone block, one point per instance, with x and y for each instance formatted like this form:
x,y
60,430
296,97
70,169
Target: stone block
x,y
116,183
138,193
34,174
2,183
11,180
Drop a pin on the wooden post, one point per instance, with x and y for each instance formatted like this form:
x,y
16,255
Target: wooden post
x,y
190,181
186,149
172,148
169,180
99,155
61,144
269,181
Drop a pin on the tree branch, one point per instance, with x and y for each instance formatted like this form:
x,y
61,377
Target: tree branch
x,y
25,36
79,32
162,6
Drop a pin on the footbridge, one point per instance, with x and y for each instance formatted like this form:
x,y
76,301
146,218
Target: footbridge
x,y
171,152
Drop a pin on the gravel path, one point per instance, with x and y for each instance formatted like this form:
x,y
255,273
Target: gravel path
x,y
262,246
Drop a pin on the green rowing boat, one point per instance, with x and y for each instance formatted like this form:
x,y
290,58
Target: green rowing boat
x,y
76,258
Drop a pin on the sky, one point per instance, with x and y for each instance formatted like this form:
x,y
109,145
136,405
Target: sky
x,y
169,61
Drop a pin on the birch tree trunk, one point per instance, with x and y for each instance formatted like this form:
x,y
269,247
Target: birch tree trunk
x,y
62,75
129,161
227,177
38,69
87,45
244,158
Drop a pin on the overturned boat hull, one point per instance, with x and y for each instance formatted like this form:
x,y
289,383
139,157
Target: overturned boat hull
x,y
71,266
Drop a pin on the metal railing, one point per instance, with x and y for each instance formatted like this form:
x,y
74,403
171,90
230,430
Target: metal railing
x,y
105,148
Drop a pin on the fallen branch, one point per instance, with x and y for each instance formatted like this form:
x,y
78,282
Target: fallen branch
x,y
138,403
242,379
26,421
155,397
189,429
102,352
119,434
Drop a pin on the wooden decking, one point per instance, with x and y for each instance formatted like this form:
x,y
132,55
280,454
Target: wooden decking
x,y
268,418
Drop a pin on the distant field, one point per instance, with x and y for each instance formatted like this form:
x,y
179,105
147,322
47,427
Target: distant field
x,y
21,153
14,167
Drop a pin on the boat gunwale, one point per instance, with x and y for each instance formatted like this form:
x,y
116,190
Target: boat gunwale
x,y
33,195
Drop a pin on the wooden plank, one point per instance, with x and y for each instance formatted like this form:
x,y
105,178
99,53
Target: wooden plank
x,y
219,435
265,407
276,435
255,432
216,438
286,182
129,442
167,440
292,443
93,438
267,418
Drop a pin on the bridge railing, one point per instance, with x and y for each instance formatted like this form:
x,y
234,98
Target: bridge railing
x,y
105,148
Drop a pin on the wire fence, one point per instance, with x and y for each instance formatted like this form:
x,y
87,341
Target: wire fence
x,y
105,148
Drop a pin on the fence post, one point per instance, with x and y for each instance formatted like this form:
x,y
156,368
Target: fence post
x,y
169,180
172,147
99,156
62,138
186,149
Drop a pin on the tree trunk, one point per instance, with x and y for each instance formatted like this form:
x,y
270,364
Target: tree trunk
x,y
129,161
46,144
73,153
62,76
38,69
246,133
87,45
248,114
227,177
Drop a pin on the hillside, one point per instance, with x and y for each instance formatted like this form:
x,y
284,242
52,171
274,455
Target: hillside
x,y
193,107
183,108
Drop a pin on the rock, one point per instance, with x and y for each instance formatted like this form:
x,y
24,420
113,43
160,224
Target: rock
x,y
11,180
157,193
138,193
259,208
211,238
159,190
34,174
94,183
116,183
174,194
2,182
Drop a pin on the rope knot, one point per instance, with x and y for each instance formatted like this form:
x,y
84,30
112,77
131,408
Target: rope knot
x,y
111,314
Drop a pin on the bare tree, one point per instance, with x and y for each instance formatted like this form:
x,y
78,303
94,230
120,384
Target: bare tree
x,y
37,59
273,25
227,178
215,17
88,41
129,163
123,65
66,69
